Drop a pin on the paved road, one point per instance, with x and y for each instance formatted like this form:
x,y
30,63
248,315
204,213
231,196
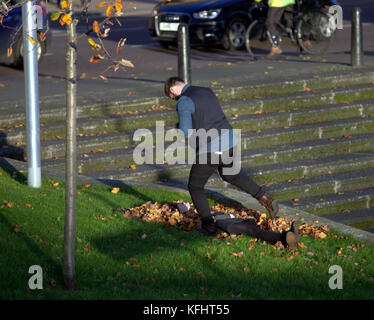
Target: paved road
x,y
153,64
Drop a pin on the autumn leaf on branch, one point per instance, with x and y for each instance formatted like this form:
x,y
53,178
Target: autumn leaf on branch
x,y
96,27
113,9
55,15
120,45
101,4
65,4
65,19
31,39
109,10
5,6
96,58
118,6
126,63
94,45
106,33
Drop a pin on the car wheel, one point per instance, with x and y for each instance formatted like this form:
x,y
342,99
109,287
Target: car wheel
x,y
234,36
18,52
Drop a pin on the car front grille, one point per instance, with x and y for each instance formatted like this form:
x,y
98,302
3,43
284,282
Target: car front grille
x,y
174,17
170,18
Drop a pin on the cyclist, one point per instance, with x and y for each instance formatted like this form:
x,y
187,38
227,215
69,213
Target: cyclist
x,y
276,9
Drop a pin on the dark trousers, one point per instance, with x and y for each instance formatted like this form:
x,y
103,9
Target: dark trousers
x,y
274,16
199,175
250,228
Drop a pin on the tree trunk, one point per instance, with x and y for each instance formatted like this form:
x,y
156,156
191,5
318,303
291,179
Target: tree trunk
x,y
68,255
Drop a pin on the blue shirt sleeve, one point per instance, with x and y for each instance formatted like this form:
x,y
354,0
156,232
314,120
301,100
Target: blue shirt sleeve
x,y
185,109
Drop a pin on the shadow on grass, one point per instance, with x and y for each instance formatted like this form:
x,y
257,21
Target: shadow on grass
x,y
187,272
127,188
31,245
192,266
168,181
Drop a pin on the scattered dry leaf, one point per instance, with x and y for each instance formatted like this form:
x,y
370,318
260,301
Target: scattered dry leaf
x,y
115,190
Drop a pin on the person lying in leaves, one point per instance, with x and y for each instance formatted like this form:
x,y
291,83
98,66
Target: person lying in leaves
x,y
232,224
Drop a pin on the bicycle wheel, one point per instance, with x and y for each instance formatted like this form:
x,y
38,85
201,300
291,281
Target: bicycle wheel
x,y
256,40
314,33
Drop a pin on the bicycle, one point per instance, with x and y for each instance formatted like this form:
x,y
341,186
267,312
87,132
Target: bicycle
x,y
312,31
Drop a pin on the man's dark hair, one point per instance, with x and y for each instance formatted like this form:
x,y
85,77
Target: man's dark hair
x,y
170,83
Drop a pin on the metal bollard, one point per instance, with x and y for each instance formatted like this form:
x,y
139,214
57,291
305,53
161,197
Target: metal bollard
x,y
30,63
356,38
184,65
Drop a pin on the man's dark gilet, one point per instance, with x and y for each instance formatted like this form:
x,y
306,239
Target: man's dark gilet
x,y
208,112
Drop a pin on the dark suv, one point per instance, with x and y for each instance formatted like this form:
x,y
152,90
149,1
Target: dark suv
x,y
210,22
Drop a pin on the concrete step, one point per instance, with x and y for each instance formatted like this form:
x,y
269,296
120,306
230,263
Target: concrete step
x,y
307,115
311,150
326,184
306,132
128,119
94,126
53,108
299,100
275,136
296,170
253,112
336,203
300,188
353,216
139,116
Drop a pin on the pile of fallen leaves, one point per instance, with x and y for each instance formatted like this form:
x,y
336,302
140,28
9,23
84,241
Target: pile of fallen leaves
x,y
166,213
188,220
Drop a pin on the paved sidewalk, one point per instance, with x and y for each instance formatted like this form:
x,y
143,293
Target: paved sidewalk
x,y
153,65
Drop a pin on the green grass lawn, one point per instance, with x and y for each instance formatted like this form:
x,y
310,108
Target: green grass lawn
x,y
121,258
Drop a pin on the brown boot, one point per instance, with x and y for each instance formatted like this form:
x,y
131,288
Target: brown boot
x,y
271,205
289,239
292,239
292,236
274,51
295,229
